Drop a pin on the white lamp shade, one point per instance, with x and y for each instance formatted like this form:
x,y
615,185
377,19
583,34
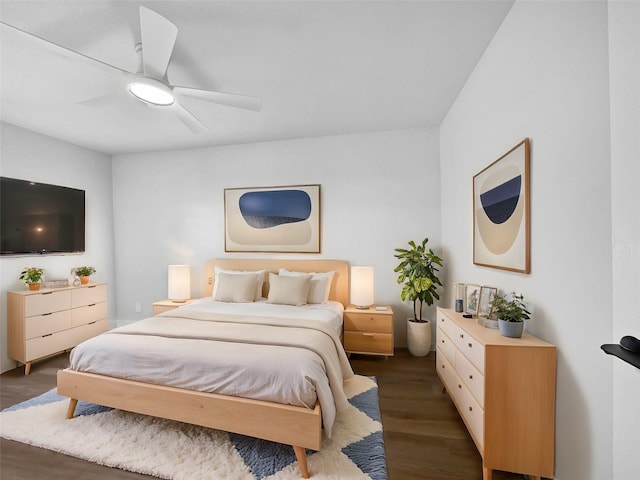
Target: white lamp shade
x,y
179,284
362,286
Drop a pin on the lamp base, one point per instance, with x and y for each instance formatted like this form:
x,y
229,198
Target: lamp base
x,y
179,301
362,307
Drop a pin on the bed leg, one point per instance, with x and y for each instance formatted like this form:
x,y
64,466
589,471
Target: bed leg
x,y
72,407
301,455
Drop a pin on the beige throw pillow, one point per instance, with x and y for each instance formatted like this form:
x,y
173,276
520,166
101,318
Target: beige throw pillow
x,y
288,290
235,288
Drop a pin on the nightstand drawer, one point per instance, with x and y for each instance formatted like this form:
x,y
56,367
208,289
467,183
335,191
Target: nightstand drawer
x,y
367,322
368,342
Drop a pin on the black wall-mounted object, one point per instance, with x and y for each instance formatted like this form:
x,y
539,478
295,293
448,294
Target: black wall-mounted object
x,y
627,350
38,218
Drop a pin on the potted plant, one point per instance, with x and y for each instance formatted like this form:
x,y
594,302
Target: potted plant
x,y
417,273
84,273
32,276
511,312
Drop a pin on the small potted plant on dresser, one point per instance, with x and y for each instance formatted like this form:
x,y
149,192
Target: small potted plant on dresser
x,y
84,273
417,273
32,277
511,312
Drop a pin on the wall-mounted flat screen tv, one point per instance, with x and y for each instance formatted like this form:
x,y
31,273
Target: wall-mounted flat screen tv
x,y
38,218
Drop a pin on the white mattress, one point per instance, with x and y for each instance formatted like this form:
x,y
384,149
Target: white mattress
x,y
277,353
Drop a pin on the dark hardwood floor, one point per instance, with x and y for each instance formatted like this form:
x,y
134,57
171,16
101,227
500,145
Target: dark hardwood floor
x,y
424,435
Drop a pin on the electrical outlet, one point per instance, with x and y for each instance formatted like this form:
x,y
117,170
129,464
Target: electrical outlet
x,y
138,307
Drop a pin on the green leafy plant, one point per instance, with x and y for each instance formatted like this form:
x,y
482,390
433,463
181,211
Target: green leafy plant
x,y
510,310
31,275
417,273
84,271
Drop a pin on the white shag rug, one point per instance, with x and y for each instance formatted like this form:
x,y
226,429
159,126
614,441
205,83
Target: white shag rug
x,y
178,451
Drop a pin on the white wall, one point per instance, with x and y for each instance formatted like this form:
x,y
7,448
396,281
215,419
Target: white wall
x,y
545,76
31,156
378,191
624,64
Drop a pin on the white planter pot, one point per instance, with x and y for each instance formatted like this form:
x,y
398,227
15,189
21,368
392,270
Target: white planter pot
x,y
419,338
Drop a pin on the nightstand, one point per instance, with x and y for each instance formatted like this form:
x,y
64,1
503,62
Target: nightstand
x,y
369,330
166,305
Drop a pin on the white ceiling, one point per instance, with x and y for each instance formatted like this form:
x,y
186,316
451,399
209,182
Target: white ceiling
x,y
320,67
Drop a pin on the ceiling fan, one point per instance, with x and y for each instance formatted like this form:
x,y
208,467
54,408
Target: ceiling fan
x,y
150,86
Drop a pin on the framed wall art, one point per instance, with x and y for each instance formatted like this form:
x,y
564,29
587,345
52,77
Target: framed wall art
x,y
485,304
473,299
272,219
501,219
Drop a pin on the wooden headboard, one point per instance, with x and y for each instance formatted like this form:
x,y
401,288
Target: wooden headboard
x,y
339,287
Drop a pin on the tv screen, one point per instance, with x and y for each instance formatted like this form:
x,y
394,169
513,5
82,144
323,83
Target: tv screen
x,y
40,218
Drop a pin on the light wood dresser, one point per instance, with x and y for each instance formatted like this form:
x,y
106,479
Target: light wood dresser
x,y
368,330
504,389
51,320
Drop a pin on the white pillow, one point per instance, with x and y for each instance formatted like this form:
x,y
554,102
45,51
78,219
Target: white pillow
x,y
258,275
288,290
320,284
235,288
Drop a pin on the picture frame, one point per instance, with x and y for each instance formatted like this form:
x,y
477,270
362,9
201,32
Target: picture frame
x,y
485,303
284,219
501,212
473,299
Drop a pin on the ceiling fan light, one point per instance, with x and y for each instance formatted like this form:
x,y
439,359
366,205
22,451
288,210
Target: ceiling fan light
x,y
149,93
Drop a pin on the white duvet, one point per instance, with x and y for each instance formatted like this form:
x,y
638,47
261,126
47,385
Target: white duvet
x,y
276,353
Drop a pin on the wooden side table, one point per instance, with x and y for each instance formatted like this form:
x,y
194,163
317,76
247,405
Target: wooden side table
x,y
368,331
166,305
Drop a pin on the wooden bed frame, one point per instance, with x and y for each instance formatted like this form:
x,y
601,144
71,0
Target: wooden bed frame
x,y
299,427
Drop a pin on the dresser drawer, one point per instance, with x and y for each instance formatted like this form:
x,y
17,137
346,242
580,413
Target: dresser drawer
x,y
88,314
84,332
42,346
368,342
473,416
446,345
47,302
47,323
364,322
472,378
446,372
88,295
447,326
470,348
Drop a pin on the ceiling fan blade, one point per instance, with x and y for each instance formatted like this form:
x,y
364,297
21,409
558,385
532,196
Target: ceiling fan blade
x,y
186,117
158,38
230,99
58,49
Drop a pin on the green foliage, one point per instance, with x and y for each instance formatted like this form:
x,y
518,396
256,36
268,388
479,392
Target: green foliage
x,y
84,271
417,275
513,310
31,275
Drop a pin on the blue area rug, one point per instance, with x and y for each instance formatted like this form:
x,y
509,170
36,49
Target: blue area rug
x,y
178,451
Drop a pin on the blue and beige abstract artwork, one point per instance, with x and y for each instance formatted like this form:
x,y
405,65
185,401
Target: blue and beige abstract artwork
x,y
270,208
278,219
500,211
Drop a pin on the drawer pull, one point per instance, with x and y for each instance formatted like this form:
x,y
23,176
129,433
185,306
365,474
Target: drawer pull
x,y
442,366
46,293
442,340
470,377
367,334
459,386
47,335
92,286
462,335
46,314
91,323
92,305
470,345
471,409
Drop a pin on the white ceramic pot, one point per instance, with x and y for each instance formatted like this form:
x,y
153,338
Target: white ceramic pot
x,y
419,337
